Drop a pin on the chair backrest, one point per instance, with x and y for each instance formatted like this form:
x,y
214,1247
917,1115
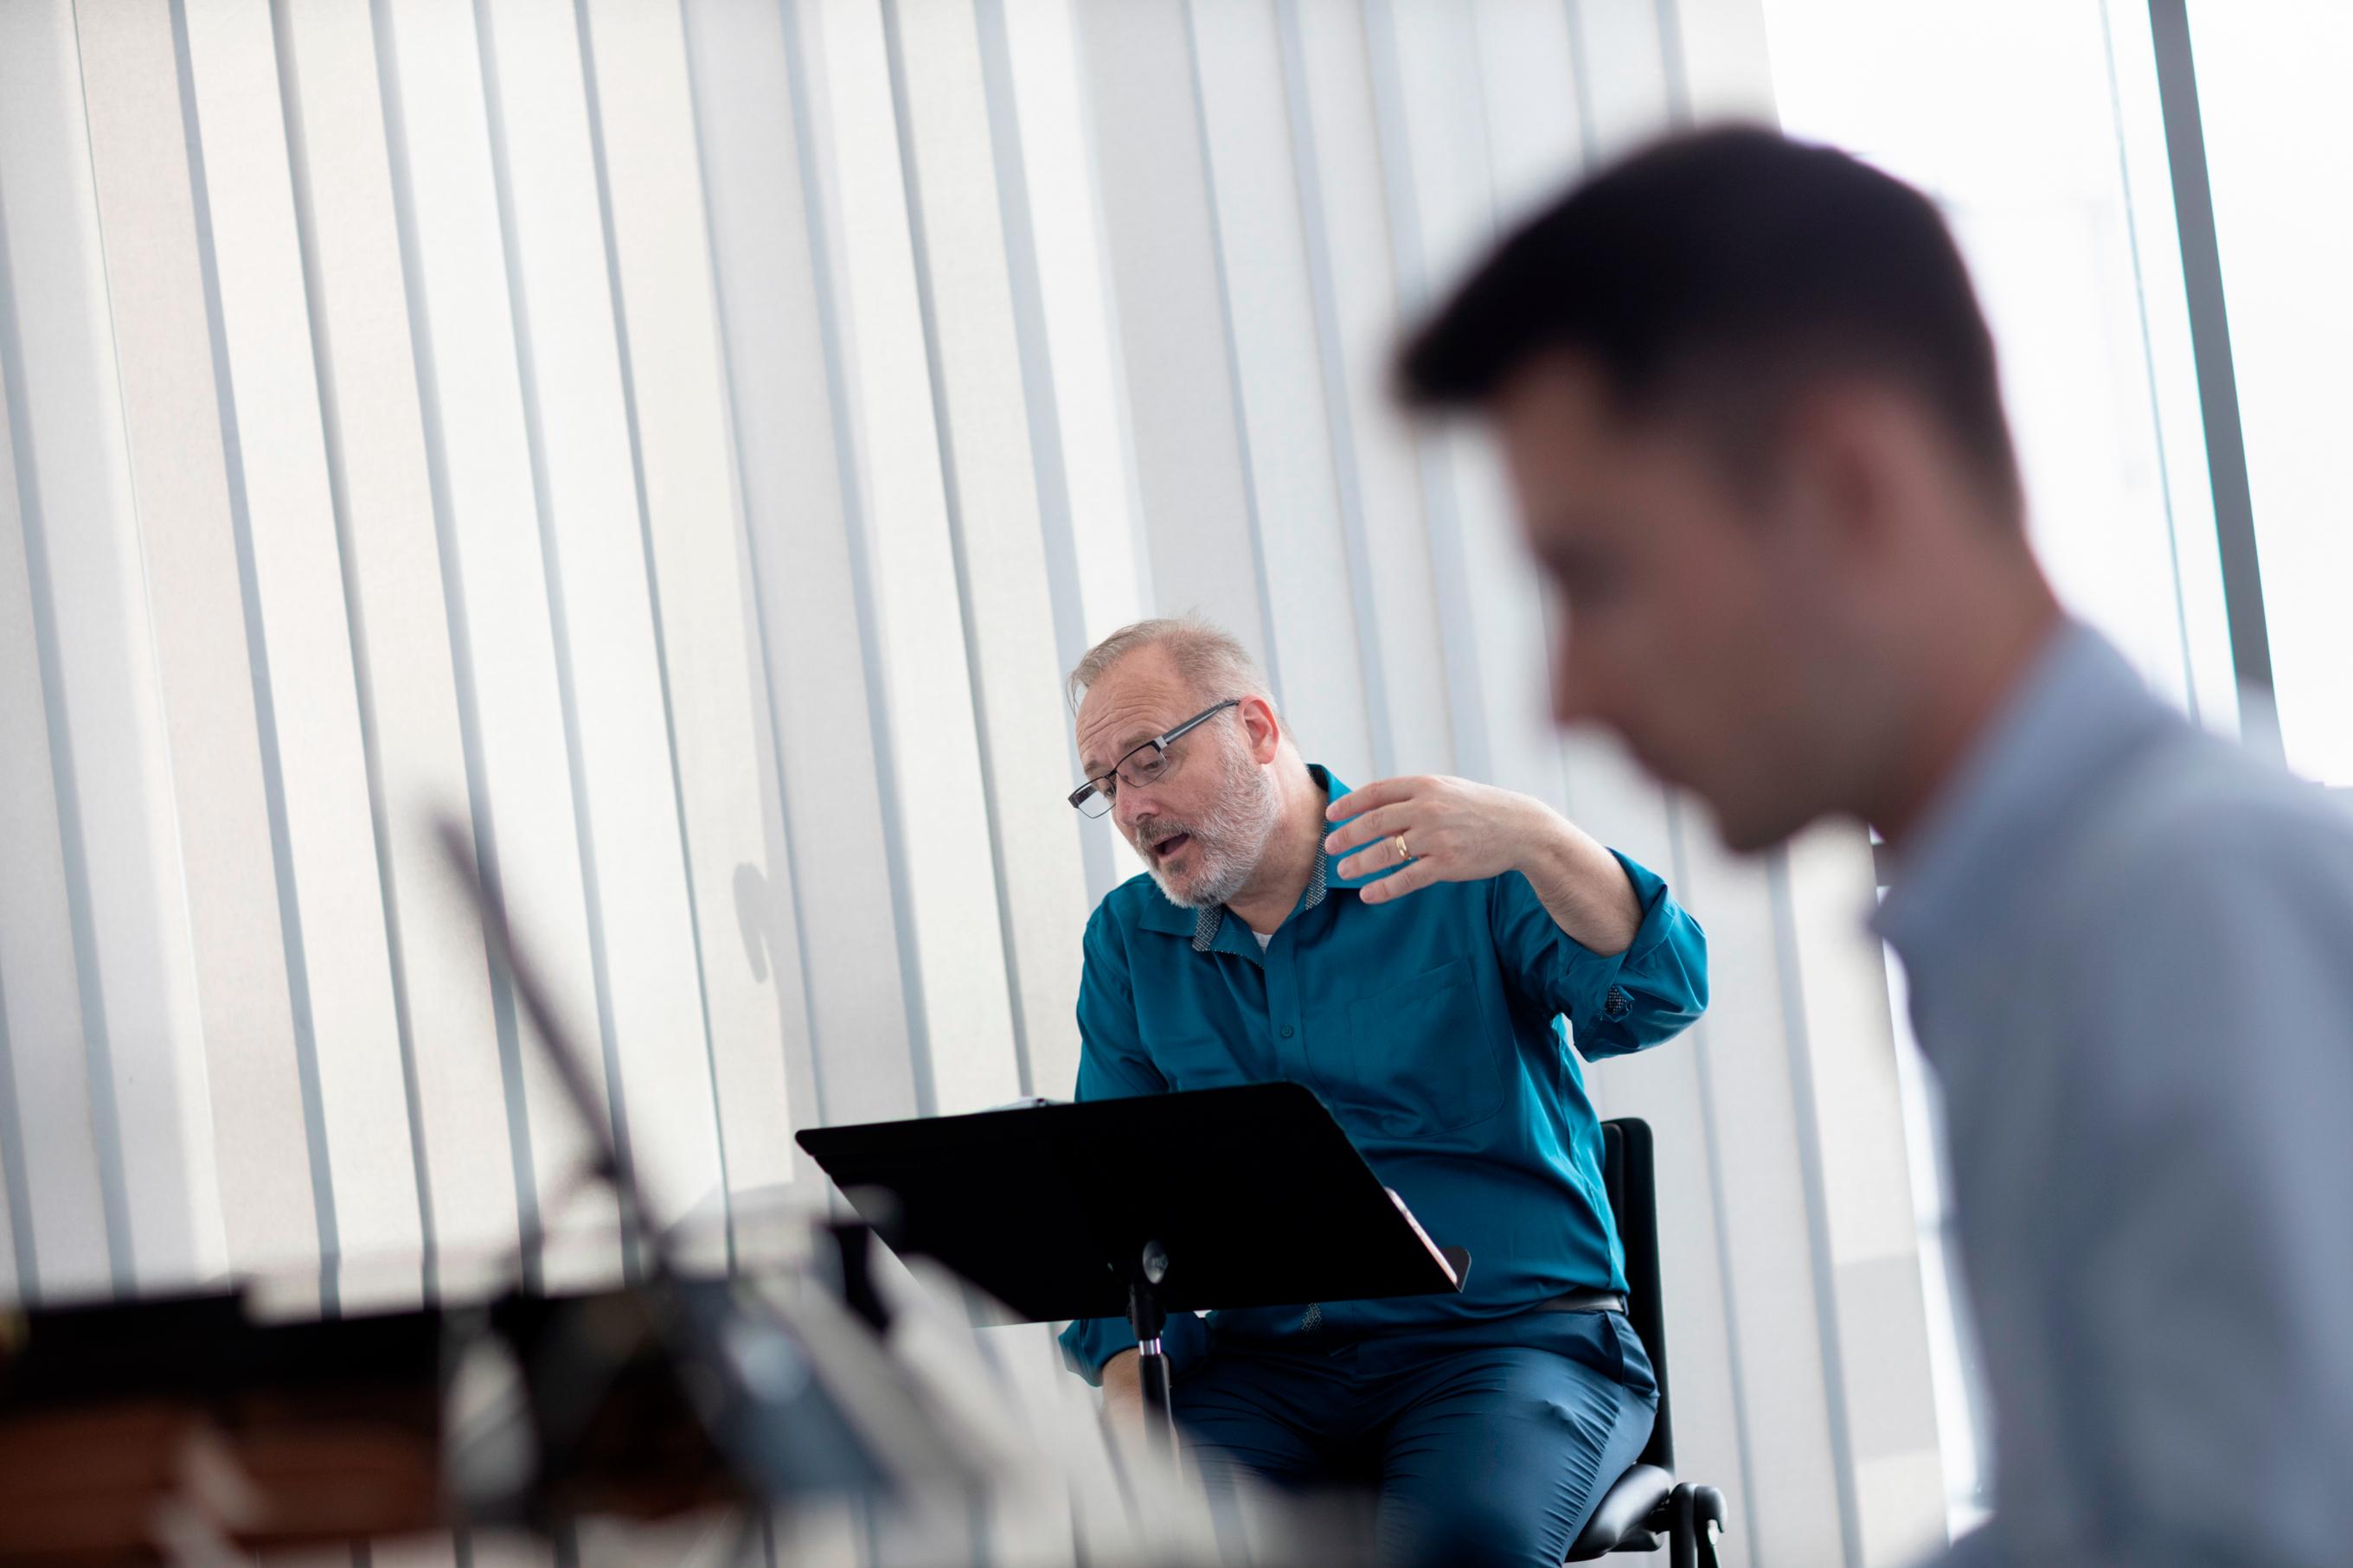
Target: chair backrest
x,y
1629,1172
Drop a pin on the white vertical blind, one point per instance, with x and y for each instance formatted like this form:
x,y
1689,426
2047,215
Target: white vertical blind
x,y
58,1229
1335,148
395,593
689,443
126,897
960,1018
506,660
1272,331
1201,520
594,522
214,706
810,910
330,903
1072,362
994,489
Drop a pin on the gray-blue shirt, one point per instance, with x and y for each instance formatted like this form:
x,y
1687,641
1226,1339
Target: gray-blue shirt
x,y
2130,951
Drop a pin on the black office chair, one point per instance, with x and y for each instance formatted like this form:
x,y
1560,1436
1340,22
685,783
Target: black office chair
x,y
1647,1501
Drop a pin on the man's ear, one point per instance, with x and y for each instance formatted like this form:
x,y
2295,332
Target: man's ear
x,y
1263,728
1849,457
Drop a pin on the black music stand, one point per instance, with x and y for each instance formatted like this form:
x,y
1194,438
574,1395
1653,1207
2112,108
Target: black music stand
x,y
1248,1196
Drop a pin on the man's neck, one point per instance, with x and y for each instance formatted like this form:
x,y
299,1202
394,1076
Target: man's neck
x,y
1959,697
1273,890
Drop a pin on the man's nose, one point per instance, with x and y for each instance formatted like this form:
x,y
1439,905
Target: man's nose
x,y
1130,805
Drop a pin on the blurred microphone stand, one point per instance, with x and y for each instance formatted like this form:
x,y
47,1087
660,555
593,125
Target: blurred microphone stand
x,y
794,1394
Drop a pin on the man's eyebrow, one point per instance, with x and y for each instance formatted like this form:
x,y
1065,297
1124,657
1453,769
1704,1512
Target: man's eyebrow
x,y
1095,770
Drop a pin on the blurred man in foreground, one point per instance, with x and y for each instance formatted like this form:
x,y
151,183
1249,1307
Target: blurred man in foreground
x,y
1425,966
1750,411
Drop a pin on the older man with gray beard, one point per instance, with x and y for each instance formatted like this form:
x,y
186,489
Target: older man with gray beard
x,y
1422,952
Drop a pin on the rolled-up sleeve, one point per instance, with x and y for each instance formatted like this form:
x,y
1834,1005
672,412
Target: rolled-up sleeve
x,y
1112,1065
1616,1004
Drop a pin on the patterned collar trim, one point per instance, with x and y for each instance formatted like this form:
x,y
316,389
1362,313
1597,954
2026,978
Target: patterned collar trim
x,y
1207,924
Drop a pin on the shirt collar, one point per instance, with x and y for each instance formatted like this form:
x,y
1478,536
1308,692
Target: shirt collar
x,y
2077,705
1203,925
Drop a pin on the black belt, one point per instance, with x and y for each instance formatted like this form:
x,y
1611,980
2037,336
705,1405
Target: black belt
x,y
1584,1298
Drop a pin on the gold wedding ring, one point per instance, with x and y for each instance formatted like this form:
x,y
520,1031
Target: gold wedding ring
x,y
1403,853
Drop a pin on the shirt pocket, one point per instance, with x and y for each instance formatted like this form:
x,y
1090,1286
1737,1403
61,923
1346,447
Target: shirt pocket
x,y
1416,1055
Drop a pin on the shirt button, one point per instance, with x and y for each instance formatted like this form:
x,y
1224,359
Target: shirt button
x,y
1286,1031
1616,1005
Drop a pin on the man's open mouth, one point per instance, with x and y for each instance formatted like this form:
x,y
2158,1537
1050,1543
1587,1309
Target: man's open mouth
x,y
1170,846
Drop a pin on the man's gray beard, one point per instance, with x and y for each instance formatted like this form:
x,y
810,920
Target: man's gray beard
x,y
1231,839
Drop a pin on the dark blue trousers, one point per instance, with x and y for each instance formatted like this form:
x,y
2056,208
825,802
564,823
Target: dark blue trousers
x,y
1490,1443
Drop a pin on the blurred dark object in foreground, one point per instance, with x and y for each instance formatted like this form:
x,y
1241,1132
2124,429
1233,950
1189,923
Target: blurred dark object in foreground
x,y
135,1431
121,1424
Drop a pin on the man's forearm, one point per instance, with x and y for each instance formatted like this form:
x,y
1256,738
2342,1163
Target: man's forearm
x,y
1582,887
1122,1384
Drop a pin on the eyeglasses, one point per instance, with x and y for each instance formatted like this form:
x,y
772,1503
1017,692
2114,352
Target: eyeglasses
x,y
1142,767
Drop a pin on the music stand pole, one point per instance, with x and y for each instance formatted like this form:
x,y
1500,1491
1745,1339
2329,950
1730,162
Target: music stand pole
x,y
1146,1318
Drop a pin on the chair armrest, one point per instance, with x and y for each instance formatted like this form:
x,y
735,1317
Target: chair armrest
x,y
1619,1517
1693,1514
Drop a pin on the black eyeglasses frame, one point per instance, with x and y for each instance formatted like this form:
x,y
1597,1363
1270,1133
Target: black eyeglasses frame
x,y
1160,743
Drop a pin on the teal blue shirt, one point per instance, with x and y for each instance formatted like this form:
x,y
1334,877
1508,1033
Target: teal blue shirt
x,y
1436,1028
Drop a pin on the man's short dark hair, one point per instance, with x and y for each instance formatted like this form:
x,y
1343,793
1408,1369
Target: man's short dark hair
x,y
1718,273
